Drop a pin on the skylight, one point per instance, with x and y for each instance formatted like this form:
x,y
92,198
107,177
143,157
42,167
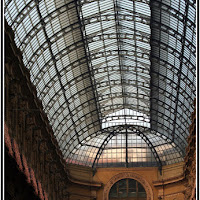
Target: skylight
x,y
111,74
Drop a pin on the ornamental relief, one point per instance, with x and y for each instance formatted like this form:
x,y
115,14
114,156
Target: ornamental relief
x,y
130,175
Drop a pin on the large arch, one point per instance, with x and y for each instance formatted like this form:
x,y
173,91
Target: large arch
x,y
130,175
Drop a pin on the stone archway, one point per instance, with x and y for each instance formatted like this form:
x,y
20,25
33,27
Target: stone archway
x,y
130,175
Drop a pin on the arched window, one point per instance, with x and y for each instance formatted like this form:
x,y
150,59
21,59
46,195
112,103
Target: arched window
x,y
127,189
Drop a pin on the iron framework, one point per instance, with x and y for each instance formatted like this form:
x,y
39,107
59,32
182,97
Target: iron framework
x,y
116,78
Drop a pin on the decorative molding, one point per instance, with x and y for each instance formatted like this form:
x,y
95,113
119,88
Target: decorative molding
x,y
168,181
130,175
81,182
173,194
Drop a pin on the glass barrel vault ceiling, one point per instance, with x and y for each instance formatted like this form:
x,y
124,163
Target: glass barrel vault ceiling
x,y
116,77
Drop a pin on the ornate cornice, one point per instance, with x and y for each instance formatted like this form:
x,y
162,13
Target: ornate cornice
x,y
168,181
86,183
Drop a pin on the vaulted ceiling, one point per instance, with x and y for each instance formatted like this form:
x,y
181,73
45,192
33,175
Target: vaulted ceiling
x,y
116,77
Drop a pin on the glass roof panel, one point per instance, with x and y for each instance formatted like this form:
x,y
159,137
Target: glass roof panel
x,y
116,77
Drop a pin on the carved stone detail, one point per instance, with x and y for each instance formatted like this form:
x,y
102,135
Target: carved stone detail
x,y
130,175
190,161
